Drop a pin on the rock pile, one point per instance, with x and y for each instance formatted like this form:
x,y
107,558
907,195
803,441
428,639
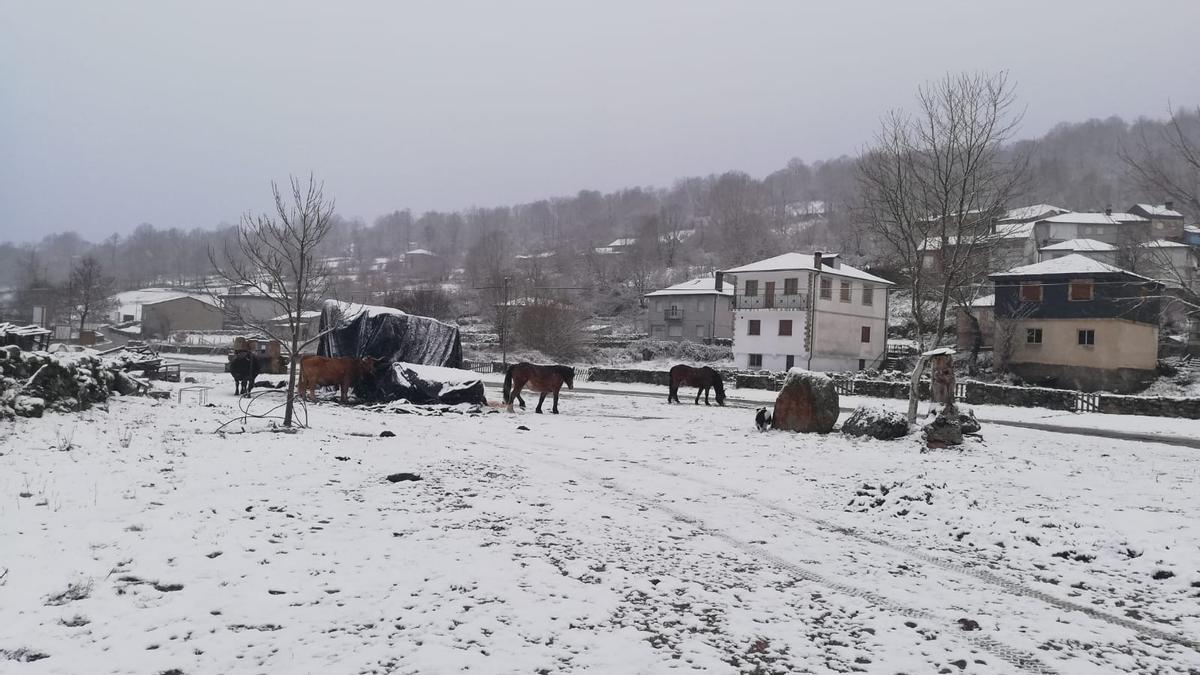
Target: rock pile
x,y
876,422
33,382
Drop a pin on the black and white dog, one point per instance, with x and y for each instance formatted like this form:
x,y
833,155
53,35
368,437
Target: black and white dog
x,y
763,419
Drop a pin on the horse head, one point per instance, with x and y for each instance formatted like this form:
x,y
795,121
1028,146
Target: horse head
x,y
719,388
569,377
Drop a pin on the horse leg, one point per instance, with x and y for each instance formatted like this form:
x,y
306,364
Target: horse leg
x,y
345,388
540,402
706,390
555,409
699,390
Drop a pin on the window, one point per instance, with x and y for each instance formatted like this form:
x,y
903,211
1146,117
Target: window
x,y
866,334
699,304
751,288
754,327
785,326
700,332
756,360
791,286
1033,336
659,331
845,291
1031,292
1080,290
1087,337
658,305
791,362
862,364
868,294
675,330
827,289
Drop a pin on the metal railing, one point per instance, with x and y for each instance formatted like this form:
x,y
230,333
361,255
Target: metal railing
x,y
772,301
673,314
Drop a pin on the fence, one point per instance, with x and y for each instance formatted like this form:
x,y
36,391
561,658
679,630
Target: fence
x,y
971,392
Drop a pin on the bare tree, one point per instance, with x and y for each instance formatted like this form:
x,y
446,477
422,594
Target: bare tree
x,y
1168,162
276,257
937,181
90,291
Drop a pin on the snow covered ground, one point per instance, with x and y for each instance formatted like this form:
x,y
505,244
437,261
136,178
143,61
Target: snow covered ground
x,y
622,536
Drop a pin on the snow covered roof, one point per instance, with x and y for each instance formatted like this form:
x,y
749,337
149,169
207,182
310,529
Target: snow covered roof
x,y
699,286
307,314
1068,264
618,243
1159,211
1080,245
804,261
198,298
1033,212
536,256
985,301
1164,243
418,251
1077,218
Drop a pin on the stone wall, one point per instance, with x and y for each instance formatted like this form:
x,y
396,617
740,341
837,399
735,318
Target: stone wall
x,y
1157,406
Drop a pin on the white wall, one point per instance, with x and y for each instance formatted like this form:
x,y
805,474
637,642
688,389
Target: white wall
x,y
838,324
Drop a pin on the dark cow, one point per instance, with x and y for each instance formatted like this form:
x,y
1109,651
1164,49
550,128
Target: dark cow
x,y
245,366
325,371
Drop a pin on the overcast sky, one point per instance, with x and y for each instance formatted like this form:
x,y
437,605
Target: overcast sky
x,y
180,114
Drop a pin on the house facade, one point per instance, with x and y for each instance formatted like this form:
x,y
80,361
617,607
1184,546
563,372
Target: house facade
x,y
425,265
1077,323
1165,221
183,313
693,310
1096,250
807,310
1111,228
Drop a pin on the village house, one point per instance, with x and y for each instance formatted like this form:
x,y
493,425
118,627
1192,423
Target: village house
x,y
1111,228
425,265
1096,250
984,312
1165,221
808,310
181,313
1075,322
245,306
693,310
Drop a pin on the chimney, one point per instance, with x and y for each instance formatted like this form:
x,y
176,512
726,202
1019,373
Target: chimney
x,y
817,260
1108,210
1170,206
720,283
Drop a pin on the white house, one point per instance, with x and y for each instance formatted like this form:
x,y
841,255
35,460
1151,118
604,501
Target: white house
x,y
1096,250
807,310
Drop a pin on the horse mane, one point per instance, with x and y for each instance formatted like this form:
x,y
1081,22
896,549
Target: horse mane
x,y
564,371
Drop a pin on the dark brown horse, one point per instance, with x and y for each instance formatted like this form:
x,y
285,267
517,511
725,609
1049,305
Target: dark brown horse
x,y
703,379
543,379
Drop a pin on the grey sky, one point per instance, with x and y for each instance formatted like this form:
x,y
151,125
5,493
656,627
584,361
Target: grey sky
x,y
179,114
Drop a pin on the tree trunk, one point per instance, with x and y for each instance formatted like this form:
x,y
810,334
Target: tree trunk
x,y
292,366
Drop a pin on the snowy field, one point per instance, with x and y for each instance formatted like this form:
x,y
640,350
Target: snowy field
x,y
622,536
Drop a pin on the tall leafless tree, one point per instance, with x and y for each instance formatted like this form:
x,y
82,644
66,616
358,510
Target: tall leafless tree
x,y
90,291
1167,161
938,180
275,255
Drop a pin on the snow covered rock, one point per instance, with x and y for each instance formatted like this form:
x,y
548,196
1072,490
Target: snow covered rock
x,y
876,422
808,402
968,423
945,430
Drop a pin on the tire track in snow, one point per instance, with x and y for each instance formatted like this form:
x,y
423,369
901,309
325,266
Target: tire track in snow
x,y
1017,657
986,576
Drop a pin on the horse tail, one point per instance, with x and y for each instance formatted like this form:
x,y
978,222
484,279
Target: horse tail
x,y
508,384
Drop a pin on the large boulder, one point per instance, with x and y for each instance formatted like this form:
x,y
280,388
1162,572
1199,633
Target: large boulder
x,y
876,422
808,402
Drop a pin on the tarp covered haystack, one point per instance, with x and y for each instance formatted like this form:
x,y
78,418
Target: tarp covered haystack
x,y
390,335
431,384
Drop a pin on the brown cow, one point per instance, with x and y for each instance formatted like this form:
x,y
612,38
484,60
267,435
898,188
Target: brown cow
x,y
324,371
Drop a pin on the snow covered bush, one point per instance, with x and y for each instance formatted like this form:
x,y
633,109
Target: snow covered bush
x,y
33,382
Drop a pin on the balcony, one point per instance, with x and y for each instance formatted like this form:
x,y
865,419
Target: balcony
x,y
786,301
673,314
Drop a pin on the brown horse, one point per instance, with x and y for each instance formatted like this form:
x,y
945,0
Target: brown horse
x,y
703,379
544,379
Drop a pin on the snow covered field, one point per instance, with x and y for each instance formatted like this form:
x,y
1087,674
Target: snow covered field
x,y
622,536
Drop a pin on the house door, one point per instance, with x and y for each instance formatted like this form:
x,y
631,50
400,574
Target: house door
x,y
769,298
